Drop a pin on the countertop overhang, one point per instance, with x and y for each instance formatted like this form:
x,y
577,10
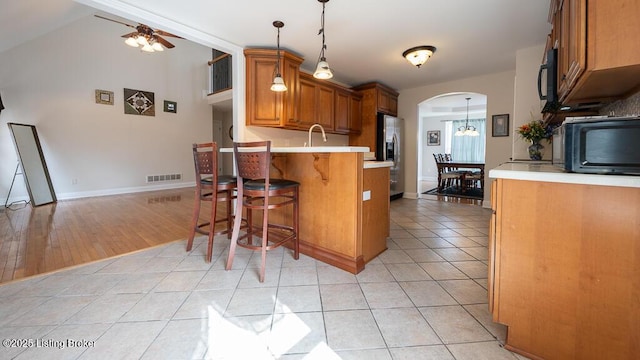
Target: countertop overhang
x,y
312,149
546,172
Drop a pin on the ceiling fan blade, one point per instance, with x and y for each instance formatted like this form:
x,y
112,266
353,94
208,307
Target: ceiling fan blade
x,y
115,21
133,34
164,42
164,33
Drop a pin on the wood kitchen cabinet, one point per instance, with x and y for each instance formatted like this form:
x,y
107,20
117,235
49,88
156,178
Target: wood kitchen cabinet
x,y
266,107
338,225
597,41
307,100
348,108
564,268
316,104
376,98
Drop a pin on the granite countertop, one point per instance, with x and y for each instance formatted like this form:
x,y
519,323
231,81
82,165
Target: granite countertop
x,y
546,172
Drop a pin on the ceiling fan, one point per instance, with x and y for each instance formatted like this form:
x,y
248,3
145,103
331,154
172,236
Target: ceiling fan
x,y
145,37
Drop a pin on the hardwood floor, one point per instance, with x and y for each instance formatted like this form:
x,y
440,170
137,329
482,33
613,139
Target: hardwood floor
x,y
73,232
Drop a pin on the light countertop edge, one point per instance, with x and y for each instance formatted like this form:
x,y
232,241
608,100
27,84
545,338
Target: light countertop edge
x,y
377,164
312,149
550,173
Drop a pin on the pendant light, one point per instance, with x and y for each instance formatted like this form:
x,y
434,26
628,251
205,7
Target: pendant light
x,y
278,82
467,130
323,71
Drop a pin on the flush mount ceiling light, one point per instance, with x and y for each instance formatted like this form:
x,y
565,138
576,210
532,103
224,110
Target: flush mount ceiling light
x,y
419,55
323,71
278,82
467,130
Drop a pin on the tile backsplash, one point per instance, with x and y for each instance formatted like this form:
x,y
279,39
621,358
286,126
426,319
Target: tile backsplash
x,y
625,107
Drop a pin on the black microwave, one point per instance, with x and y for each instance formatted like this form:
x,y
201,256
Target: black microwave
x,y
598,145
548,80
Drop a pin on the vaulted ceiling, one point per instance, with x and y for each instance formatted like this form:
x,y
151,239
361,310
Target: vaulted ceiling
x,y
365,39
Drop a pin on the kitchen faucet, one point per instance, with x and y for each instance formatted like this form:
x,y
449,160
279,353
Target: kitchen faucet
x,y
324,136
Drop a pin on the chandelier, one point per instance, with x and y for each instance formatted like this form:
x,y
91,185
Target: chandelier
x,y
467,130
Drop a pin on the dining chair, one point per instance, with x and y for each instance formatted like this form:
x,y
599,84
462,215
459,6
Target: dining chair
x,y
257,190
447,177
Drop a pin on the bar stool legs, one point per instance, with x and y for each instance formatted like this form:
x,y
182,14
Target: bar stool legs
x,y
257,191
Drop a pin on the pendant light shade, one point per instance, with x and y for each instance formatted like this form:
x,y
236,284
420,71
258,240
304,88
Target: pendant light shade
x,y
467,130
278,83
419,55
323,71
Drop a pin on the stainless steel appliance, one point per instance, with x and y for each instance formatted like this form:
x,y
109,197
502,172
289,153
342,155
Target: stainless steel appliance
x,y
598,145
389,148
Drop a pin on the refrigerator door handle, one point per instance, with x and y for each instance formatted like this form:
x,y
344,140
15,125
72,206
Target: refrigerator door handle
x,y
395,150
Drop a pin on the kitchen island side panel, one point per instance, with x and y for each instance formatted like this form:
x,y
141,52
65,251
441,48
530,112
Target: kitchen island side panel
x,y
330,205
568,269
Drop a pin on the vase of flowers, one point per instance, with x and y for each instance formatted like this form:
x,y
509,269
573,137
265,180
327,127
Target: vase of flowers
x,y
534,132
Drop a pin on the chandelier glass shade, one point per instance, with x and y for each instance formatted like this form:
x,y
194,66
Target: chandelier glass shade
x,y
278,83
467,130
323,71
419,55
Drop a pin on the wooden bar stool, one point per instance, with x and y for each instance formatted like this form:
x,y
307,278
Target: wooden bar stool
x,y
260,192
213,188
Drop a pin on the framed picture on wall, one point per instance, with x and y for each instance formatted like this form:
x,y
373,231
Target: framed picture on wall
x,y
433,137
170,106
500,125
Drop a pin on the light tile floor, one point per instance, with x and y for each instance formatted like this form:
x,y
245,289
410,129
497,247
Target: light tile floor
x,y
424,298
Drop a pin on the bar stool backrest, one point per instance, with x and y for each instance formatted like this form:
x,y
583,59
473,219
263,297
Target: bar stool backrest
x,y
253,159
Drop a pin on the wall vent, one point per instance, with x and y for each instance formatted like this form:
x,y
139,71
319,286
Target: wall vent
x,y
164,177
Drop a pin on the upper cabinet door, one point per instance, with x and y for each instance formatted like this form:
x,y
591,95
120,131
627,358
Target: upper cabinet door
x,y
264,106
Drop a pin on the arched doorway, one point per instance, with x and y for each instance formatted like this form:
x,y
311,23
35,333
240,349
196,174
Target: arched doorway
x,y
438,118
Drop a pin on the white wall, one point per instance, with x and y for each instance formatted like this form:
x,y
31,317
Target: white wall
x,y
428,166
527,102
50,83
499,89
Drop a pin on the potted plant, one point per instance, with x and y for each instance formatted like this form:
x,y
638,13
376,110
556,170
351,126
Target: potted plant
x,y
535,131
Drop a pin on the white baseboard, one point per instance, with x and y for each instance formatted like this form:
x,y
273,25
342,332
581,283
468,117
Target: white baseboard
x,y
126,190
408,195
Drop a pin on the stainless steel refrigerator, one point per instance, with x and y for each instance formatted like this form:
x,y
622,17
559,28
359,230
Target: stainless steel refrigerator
x,y
389,148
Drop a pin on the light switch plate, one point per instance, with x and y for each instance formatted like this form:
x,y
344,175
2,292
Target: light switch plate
x,y
366,195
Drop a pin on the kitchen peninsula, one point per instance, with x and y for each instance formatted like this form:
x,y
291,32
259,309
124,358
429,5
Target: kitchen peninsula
x,y
564,271
344,202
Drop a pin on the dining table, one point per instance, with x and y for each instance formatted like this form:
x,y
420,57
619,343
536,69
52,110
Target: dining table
x,y
465,168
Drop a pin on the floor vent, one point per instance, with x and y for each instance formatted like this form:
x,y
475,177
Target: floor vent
x,y
166,177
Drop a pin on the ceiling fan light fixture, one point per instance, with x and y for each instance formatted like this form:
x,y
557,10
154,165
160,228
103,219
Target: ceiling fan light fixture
x,y
323,71
278,83
148,48
419,55
131,41
157,46
142,40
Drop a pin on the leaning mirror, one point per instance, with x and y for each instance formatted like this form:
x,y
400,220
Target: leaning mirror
x,y
34,168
